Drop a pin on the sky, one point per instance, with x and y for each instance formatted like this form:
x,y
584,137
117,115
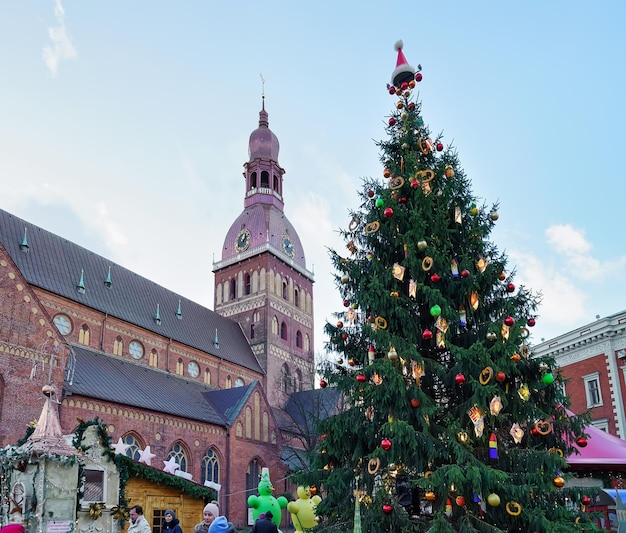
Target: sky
x,y
124,128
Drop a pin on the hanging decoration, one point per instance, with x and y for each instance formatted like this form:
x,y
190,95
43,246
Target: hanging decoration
x,y
478,419
458,217
493,446
495,405
462,316
442,328
517,433
412,288
398,271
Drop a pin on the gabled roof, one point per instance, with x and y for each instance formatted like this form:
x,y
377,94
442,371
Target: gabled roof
x,y
56,264
95,374
313,404
229,402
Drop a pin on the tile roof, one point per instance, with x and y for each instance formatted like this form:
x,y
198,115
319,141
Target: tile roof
x,y
55,264
106,377
229,402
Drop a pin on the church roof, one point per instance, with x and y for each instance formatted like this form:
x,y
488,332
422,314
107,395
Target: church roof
x,y
59,266
263,144
105,377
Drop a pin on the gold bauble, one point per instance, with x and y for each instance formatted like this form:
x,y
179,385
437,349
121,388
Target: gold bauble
x,y
430,496
558,482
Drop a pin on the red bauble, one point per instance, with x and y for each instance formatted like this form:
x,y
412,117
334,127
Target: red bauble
x,y
435,277
313,490
510,287
586,500
439,147
509,321
370,193
534,431
415,403
427,335
531,322
388,212
411,106
581,441
346,303
465,273
392,121
404,86
392,90
385,444
500,376
361,378
460,501
323,384
344,336
460,379
387,509
402,200
418,76
415,184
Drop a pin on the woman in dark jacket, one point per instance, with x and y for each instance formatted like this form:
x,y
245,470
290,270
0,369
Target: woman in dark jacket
x,y
170,523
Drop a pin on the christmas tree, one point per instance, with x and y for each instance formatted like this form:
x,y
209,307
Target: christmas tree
x,y
448,424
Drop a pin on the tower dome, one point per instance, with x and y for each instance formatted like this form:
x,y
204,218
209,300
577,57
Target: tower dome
x,y
263,143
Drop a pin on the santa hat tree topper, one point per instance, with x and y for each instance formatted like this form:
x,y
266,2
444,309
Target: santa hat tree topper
x,y
404,72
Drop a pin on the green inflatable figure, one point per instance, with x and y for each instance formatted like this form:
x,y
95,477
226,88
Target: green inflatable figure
x,y
303,510
265,502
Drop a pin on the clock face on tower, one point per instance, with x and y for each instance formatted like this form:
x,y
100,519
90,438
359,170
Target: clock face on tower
x,y
287,245
243,240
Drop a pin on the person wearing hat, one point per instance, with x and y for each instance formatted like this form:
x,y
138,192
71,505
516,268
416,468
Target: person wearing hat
x,y
265,524
211,512
221,525
170,523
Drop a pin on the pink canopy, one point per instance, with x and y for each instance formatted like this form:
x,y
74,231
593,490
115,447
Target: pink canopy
x,y
603,452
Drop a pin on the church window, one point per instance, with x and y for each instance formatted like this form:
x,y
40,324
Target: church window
x,y
218,294
285,292
118,346
256,316
283,331
133,446
296,297
253,474
307,342
276,183
153,358
180,366
275,325
253,180
246,283
265,179
207,377
298,339
265,427
229,382
83,335
239,382
285,379
210,467
232,289
179,455
248,421
257,416
297,381
251,331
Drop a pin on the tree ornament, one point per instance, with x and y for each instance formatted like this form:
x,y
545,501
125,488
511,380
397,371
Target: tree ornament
x,y
548,378
462,316
449,172
370,193
418,77
392,121
371,354
517,433
465,273
454,269
531,322
495,405
513,508
387,509
439,146
351,362
493,446
435,310
459,379
493,499
380,202
386,173
500,376
392,355
491,336
586,500
510,287
346,303
415,403
430,496
509,321
323,384
582,442
448,510
361,378
494,215
388,213
558,482
460,501
415,184
339,324
345,279
385,444
427,335
435,278
473,210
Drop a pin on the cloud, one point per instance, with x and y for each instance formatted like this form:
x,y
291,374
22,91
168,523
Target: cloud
x,y
61,47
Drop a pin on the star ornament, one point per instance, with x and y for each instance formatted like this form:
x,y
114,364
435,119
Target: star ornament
x,y
120,447
170,466
146,456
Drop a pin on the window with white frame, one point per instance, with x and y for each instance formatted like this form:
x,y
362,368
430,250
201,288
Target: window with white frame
x,y
592,389
602,423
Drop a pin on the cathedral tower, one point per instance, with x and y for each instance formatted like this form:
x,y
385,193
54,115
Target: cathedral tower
x,y
262,281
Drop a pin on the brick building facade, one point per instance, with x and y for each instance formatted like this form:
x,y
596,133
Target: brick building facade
x,y
204,387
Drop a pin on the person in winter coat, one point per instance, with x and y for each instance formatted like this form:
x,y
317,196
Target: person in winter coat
x,y
265,525
211,512
15,524
170,523
138,522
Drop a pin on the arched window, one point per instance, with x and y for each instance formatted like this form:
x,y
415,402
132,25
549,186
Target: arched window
x,y
232,293
210,467
276,183
207,376
180,456
296,297
285,291
248,422
83,335
256,316
285,378
283,331
297,380
251,331
247,284
275,325
133,446
265,428
229,382
154,358
253,475
298,339
118,346
307,342
180,367
253,180
265,179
